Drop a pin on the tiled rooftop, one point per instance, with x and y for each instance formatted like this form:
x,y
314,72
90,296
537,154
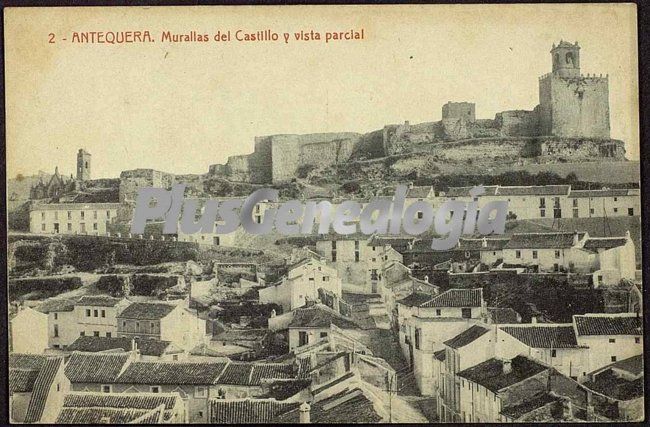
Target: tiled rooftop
x,y
320,316
247,411
147,347
608,325
467,336
95,367
543,336
457,298
594,243
197,373
117,408
541,240
490,374
146,310
415,299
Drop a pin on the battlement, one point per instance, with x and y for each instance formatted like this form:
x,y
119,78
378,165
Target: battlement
x,y
587,76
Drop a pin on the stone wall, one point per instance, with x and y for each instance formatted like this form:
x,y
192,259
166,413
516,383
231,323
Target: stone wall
x,y
287,151
517,123
459,110
574,107
132,180
581,149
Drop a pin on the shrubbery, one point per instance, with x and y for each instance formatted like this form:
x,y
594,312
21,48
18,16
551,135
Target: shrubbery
x,y
42,287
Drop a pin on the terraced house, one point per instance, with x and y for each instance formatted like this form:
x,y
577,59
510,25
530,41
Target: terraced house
x,y
175,323
37,385
552,201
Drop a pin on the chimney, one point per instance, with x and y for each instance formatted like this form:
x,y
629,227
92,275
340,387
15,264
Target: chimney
x,y
134,345
484,242
627,234
507,367
304,413
273,314
533,319
426,279
575,237
105,420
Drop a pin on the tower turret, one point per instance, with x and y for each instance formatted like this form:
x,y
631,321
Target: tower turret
x,y
566,59
83,165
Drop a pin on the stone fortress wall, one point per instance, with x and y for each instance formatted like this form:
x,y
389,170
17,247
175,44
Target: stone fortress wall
x,y
571,106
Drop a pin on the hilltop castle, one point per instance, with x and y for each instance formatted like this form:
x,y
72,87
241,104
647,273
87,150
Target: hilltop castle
x,y
572,118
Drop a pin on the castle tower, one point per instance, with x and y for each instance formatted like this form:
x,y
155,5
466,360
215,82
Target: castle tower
x,y
566,59
83,165
572,105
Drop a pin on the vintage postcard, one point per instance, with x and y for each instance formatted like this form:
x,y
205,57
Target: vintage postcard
x,y
324,214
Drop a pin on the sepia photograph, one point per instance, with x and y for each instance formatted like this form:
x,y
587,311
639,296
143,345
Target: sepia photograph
x,y
323,214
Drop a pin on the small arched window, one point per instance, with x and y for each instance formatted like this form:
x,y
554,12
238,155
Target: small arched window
x,y
557,58
570,59
86,165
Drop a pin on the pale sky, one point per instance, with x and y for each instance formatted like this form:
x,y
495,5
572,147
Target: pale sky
x,y
181,107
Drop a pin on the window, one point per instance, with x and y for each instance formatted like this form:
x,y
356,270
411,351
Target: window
x,y
108,334
326,278
87,312
575,203
616,199
637,340
94,214
556,267
56,316
615,210
612,340
58,386
216,241
438,312
542,213
82,334
323,334
200,414
200,391
534,254
43,216
356,256
103,313
124,324
154,389
83,215
557,254
311,279
83,227
69,227
542,202
96,333
95,313
420,214
553,353
466,313
517,254
108,214
69,215
107,388
613,358
302,338
56,331
175,357
575,212
418,332
95,226
630,211
42,227
591,211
